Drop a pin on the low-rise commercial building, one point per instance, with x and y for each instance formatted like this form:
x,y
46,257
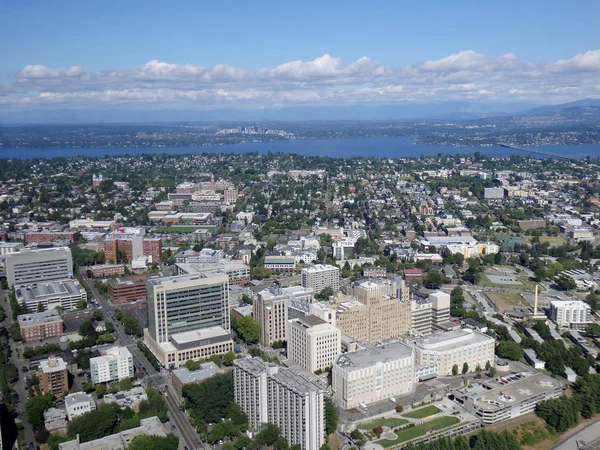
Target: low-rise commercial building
x,y
313,343
115,363
128,399
454,348
125,290
280,264
78,404
51,236
53,376
508,397
374,373
42,325
55,421
183,376
290,400
65,294
106,270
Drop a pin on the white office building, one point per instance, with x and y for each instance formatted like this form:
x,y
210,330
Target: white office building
x,y
455,348
373,373
421,315
188,317
78,404
115,363
313,343
270,393
571,313
321,276
31,267
65,294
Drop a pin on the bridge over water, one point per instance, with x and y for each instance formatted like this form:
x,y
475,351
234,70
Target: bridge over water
x,y
537,151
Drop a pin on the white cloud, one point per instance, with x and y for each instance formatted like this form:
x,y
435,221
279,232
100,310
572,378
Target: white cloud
x,y
319,81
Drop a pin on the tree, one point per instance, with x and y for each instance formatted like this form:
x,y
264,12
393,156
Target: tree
x,y
95,424
86,329
325,293
488,366
478,371
492,372
40,307
323,447
247,328
434,280
378,429
510,350
465,368
593,330
454,370
564,282
261,272
331,417
35,407
97,314
270,435
228,358
399,408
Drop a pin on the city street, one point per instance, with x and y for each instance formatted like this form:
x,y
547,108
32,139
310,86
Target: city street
x,y
182,426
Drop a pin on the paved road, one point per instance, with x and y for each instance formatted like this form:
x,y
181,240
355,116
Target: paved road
x,y
182,425
20,386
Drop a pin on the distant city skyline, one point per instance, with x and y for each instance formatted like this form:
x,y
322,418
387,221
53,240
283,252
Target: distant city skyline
x,y
197,56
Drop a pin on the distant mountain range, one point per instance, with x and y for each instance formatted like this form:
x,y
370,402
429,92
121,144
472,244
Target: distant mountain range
x,y
587,110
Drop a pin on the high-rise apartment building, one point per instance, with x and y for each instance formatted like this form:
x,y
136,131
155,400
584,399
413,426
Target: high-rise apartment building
x,y
380,319
313,343
321,276
31,267
273,394
373,373
53,376
271,312
115,363
421,316
188,317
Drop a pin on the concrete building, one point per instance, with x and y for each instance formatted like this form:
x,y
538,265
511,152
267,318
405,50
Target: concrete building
x,y
115,363
237,271
313,343
127,399
500,399
440,307
134,246
182,376
321,276
151,426
493,193
125,290
65,293
39,326
372,316
55,421
53,376
571,313
78,404
452,348
31,267
10,247
188,317
271,313
533,359
421,316
51,236
280,264
273,394
373,373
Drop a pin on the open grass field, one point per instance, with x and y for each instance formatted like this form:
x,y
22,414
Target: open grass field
x,y
407,434
384,422
507,301
554,241
422,412
527,284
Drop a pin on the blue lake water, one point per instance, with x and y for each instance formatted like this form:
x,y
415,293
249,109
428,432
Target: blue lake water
x,y
379,147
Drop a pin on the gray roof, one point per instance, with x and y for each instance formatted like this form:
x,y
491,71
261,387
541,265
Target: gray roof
x,y
49,316
373,354
207,370
78,397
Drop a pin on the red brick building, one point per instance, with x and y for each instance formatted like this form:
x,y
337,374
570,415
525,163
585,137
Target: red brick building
x,y
42,325
413,275
125,290
53,376
106,270
51,236
132,248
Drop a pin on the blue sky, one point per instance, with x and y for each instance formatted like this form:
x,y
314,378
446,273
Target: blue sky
x,y
90,39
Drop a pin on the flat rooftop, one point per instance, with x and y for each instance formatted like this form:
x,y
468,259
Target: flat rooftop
x,y
195,338
511,389
54,364
49,316
78,397
173,281
54,289
372,354
207,370
569,304
320,268
449,340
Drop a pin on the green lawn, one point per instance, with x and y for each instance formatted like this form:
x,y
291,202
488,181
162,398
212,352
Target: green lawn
x,y
422,412
407,434
384,422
